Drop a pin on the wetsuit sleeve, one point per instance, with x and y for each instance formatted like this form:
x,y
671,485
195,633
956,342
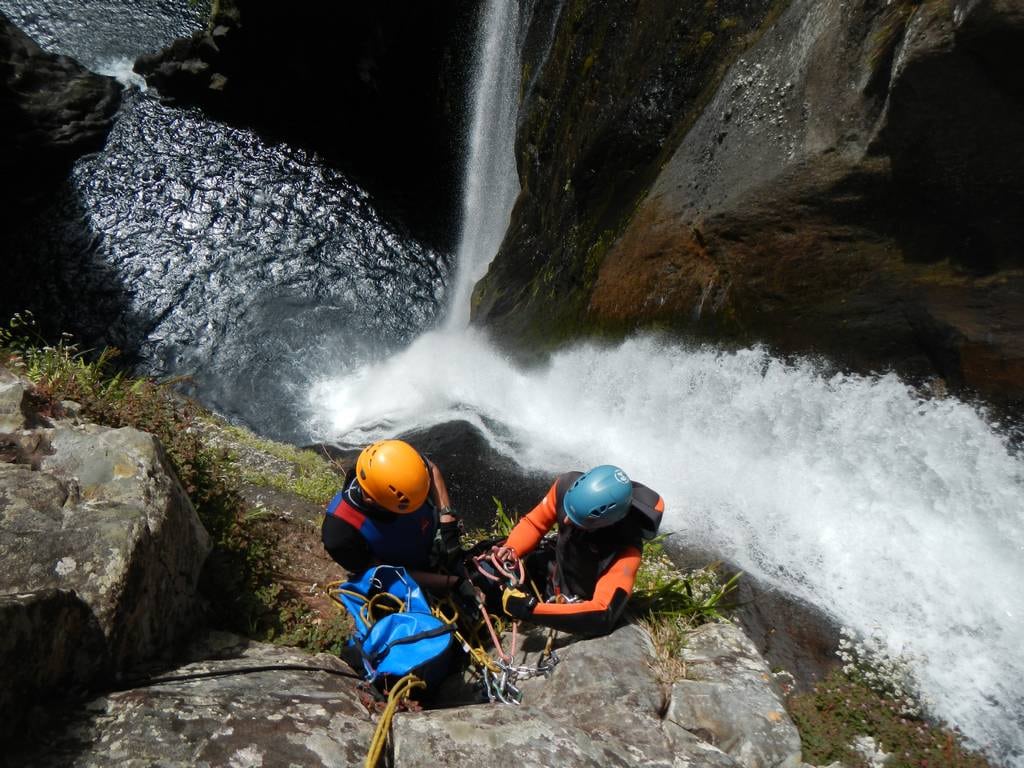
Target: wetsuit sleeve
x,y
598,615
346,545
531,529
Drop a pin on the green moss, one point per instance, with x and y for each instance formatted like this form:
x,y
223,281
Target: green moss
x,y
840,708
302,472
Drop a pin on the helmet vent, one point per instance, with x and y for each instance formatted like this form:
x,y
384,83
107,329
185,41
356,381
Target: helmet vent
x,y
403,500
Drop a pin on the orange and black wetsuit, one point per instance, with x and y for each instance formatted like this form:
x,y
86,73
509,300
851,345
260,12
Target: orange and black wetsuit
x,y
598,567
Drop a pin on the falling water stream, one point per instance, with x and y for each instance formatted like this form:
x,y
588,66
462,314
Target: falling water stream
x,y
300,310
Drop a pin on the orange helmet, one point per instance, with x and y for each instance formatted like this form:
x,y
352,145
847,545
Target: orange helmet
x,y
393,475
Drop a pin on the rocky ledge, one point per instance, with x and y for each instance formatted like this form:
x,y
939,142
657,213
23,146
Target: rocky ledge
x,y
251,704
102,551
105,663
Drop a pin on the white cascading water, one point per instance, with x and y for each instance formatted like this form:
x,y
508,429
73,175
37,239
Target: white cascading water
x,y
490,184
121,69
895,514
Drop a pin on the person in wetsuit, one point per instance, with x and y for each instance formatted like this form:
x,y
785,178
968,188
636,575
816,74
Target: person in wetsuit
x,y
393,508
603,520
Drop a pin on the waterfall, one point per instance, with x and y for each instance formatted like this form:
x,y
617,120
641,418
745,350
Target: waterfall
x,y
490,183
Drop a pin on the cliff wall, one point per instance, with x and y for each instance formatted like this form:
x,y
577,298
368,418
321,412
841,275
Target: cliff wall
x,y
825,177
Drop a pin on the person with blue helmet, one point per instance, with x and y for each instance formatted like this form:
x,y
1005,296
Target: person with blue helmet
x,y
603,519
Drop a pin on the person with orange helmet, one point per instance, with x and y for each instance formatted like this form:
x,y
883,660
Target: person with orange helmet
x,y
393,508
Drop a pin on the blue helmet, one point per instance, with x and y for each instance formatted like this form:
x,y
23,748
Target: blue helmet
x,y
599,498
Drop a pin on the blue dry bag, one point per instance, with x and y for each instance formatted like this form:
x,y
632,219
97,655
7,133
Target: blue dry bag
x,y
396,633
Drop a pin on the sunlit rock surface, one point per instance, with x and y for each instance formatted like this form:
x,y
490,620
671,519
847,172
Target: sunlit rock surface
x,y
242,716
728,692
601,707
102,551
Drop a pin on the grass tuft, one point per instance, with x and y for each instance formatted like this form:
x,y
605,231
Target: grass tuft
x,y
670,604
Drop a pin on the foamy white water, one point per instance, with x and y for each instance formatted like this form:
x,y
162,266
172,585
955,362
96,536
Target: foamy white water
x,y
120,68
491,184
888,511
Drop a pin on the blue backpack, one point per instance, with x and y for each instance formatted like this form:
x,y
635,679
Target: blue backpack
x,y
396,633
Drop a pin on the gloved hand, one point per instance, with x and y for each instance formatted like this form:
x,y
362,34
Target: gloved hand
x,y
450,533
466,590
517,604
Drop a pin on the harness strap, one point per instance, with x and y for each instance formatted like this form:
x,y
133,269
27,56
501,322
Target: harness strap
x,y
376,657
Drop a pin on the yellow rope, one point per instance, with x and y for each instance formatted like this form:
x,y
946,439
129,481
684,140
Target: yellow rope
x,y
376,603
399,692
475,649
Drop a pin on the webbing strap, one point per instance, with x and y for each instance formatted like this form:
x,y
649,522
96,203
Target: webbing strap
x,y
376,657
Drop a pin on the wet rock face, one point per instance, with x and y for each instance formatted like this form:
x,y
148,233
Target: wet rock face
x,y
52,110
851,186
607,90
376,88
101,550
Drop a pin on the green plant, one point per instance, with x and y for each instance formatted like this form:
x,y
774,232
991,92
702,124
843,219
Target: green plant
x,y
301,627
503,521
670,604
840,709
668,635
661,590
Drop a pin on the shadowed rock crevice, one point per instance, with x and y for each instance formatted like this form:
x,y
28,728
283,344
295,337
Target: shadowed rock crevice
x,y
375,89
52,111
